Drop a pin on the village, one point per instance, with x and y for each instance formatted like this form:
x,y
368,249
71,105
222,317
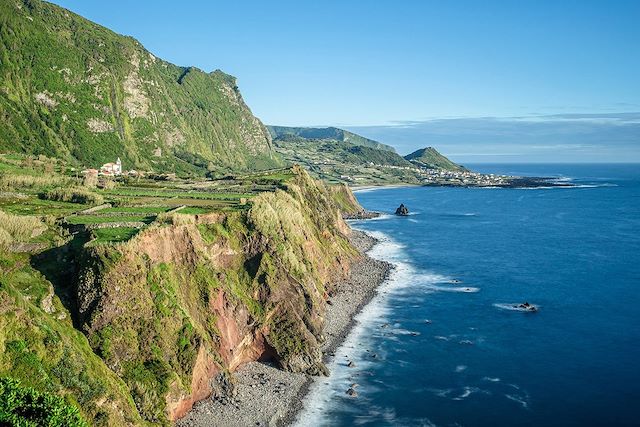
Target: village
x,y
111,170
433,176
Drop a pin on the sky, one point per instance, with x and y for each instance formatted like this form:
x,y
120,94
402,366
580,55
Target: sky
x,y
403,71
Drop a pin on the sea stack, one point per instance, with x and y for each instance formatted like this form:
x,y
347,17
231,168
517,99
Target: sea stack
x,y
402,210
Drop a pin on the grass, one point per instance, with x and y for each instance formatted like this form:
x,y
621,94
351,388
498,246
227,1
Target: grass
x,y
99,219
114,235
165,319
73,195
12,181
136,209
193,210
171,193
17,228
34,206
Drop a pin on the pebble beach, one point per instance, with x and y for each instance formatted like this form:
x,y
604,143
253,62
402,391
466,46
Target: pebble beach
x,y
265,395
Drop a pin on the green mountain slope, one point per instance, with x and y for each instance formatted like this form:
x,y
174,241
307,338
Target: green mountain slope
x,y
430,158
330,133
334,160
75,90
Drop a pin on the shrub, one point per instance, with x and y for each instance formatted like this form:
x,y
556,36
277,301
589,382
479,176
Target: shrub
x,y
90,180
24,406
107,184
176,218
73,195
12,181
18,228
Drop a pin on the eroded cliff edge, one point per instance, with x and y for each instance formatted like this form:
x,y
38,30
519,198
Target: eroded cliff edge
x,y
198,295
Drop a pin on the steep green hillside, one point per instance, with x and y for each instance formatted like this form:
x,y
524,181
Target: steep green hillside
x,y
430,158
339,161
329,133
74,90
127,312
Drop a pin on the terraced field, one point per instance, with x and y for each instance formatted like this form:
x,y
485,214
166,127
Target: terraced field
x,y
44,188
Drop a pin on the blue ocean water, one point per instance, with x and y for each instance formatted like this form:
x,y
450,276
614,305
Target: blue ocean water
x,y
430,351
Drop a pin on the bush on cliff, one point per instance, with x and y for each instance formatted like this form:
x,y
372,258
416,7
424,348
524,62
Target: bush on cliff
x,y
25,406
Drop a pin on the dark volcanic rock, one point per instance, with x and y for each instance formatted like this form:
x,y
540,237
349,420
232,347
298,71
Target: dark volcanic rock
x,y
402,210
363,214
526,306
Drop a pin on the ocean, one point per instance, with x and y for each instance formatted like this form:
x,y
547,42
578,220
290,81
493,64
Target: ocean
x,y
442,343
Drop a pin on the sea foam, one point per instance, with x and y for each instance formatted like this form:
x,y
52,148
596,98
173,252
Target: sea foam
x,y
325,394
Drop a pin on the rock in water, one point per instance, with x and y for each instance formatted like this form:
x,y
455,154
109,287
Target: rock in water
x,y
402,210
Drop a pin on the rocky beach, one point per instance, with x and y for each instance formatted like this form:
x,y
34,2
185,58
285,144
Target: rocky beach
x,y
261,394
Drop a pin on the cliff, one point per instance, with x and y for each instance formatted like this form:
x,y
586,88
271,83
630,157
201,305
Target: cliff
x,y
77,91
195,296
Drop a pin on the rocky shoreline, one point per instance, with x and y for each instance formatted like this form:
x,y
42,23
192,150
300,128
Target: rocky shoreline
x,y
267,396
363,214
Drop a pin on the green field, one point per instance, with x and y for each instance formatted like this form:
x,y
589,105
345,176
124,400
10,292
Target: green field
x,y
35,206
113,235
26,181
101,219
192,210
176,193
134,210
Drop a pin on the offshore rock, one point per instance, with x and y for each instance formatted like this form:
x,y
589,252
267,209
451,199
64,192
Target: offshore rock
x,y
402,210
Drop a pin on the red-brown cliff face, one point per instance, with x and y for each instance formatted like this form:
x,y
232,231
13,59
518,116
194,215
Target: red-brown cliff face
x,y
199,296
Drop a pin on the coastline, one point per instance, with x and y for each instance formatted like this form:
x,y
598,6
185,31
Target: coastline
x,y
265,395
371,187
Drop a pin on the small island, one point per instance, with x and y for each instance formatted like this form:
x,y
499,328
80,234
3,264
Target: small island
x,y
402,210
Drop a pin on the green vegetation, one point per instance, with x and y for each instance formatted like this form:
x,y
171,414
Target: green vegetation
x,y
79,92
95,219
174,193
344,199
72,195
329,133
35,206
430,158
40,347
24,406
112,320
339,161
336,155
16,228
114,235
194,210
134,210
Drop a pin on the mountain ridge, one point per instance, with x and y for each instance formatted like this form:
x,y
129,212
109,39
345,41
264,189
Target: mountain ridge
x,y
78,91
336,155
330,132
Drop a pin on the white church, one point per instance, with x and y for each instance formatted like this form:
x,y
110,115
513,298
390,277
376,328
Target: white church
x,y
112,168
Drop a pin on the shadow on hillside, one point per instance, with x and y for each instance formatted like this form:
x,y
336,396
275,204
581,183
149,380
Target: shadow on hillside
x,y
60,266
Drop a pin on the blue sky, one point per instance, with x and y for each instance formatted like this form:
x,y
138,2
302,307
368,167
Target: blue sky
x,y
379,66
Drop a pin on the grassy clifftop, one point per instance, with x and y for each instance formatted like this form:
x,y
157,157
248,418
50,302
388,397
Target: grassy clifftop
x,y
132,331
77,91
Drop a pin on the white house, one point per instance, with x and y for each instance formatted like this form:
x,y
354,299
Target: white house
x,y
112,168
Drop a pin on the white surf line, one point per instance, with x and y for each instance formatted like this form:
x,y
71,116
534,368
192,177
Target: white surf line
x,y
324,392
